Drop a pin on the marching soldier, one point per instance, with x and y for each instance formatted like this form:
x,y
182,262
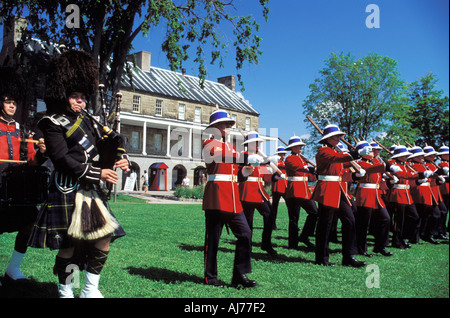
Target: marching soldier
x,y
444,165
298,194
279,184
405,213
14,150
76,219
252,193
371,207
332,197
436,185
425,200
221,203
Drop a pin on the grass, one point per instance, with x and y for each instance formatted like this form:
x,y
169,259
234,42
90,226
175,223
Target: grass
x,y
162,257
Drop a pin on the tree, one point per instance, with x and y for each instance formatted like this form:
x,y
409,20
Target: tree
x,y
107,29
358,95
429,113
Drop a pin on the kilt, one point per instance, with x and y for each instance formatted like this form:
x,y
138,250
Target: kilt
x,y
53,221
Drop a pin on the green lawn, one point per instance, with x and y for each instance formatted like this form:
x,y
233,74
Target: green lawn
x,y
162,257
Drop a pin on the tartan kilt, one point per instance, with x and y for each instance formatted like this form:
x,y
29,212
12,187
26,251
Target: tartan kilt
x,y
53,221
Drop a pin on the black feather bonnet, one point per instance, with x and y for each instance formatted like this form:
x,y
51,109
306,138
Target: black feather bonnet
x,y
71,71
11,85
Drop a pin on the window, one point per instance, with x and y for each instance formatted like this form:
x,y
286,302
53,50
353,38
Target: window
x,y
159,106
135,140
198,115
247,123
136,104
234,117
158,142
181,111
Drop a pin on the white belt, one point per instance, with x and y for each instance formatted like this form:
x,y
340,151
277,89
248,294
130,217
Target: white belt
x,y
222,177
297,178
254,179
369,185
401,186
425,184
330,178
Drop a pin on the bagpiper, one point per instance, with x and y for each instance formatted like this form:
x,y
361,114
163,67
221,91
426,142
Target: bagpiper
x,y
298,194
222,204
76,220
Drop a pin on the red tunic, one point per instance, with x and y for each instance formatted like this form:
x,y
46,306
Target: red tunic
x,y
366,196
280,184
444,187
422,194
330,162
220,159
10,136
252,188
297,167
402,195
433,182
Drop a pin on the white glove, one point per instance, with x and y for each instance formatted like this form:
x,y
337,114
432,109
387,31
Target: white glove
x,y
395,179
395,169
255,160
361,173
422,180
274,159
445,170
282,176
428,173
441,179
365,151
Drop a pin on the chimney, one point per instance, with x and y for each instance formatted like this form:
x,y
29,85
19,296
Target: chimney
x,y
228,81
143,60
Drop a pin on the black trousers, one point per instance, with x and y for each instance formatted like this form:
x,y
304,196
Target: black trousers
x,y
443,207
429,217
324,223
276,196
379,222
215,220
265,209
406,219
294,205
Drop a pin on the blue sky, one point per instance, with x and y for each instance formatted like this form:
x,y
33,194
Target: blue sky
x,y
300,35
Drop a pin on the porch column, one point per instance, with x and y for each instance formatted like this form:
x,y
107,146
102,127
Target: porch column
x,y
168,141
144,139
190,143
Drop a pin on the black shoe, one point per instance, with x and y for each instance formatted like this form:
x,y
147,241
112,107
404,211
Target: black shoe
x,y
365,254
383,252
352,262
270,250
431,240
441,237
307,242
325,264
242,280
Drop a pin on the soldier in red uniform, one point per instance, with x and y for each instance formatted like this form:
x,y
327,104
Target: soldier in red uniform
x,y
331,195
298,194
252,193
443,154
426,203
405,213
436,185
371,207
13,150
279,184
221,203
